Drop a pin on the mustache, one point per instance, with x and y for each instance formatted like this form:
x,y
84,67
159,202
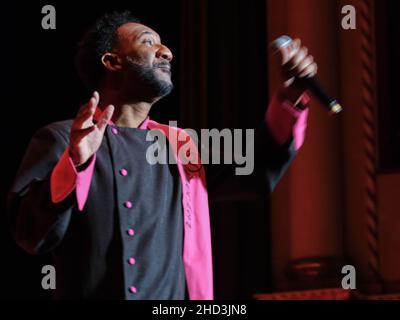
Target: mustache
x,y
162,64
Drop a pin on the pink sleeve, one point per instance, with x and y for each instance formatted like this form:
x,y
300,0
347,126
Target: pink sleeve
x,y
65,178
285,120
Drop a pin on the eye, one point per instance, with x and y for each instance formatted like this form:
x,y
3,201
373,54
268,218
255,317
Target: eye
x,y
150,42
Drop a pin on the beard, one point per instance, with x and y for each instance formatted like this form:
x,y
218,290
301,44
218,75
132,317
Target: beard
x,y
151,86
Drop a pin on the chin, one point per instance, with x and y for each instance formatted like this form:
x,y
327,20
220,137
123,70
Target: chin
x,y
163,75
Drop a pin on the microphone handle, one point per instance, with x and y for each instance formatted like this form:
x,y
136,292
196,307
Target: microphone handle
x,y
313,85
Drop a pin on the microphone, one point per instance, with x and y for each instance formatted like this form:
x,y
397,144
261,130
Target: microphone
x,y
310,82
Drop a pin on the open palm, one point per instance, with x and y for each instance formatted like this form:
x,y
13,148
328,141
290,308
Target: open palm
x,y
86,136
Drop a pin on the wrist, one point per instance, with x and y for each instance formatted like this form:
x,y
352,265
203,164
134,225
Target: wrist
x,y
84,165
78,163
293,92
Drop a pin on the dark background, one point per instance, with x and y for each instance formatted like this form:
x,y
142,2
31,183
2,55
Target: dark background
x,y
219,71
388,68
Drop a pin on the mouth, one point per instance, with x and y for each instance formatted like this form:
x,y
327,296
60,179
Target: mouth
x,y
165,69
164,66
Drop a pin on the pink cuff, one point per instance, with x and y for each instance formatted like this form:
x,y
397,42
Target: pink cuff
x,y
65,178
285,120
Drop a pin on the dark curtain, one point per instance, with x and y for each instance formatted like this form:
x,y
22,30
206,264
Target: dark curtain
x,y
387,33
224,85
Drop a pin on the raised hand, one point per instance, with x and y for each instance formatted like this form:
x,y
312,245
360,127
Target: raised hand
x,y
86,136
297,62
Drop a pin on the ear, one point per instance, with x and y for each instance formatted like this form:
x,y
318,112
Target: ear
x,y
112,61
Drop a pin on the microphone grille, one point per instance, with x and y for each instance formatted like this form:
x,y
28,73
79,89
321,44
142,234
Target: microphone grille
x,y
282,41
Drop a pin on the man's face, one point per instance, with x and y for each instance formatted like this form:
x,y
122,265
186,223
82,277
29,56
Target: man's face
x,y
146,60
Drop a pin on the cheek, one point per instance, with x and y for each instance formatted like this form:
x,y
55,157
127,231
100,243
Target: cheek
x,y
142,57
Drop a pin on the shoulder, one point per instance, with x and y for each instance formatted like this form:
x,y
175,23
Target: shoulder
x,y
61,127
59,130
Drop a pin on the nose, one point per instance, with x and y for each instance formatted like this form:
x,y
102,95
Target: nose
x,y
164,53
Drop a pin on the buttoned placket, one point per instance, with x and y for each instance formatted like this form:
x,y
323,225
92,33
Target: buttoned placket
x,y
127,205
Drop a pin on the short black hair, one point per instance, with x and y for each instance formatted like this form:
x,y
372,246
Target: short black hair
x,y
99,39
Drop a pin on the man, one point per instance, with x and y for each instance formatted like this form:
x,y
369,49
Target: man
x,y
119,227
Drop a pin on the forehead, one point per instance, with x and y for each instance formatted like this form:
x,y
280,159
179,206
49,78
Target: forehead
x,y
133,30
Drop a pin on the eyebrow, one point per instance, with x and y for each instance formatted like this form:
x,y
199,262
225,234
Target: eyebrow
x,y
148,33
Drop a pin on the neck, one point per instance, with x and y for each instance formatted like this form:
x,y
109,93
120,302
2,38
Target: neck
x,y
127,113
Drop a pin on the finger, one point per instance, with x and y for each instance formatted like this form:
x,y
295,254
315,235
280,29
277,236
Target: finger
x,y
287,52
78,134
304,64
96,96
80,120
93,102
305,68
84,117
91,109
310,71
296,43
295,46
86,112
105,117
297,58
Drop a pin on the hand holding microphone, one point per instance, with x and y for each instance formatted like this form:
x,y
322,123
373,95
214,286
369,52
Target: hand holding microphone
x,y
299,68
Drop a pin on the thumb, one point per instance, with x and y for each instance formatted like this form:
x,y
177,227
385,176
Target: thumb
x,y
285,53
